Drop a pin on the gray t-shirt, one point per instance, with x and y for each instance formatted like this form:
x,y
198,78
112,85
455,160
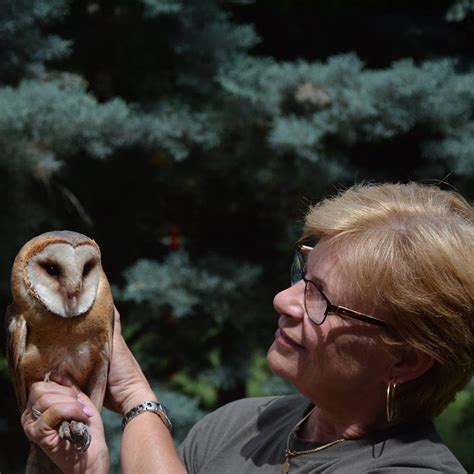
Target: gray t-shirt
x,y
250,435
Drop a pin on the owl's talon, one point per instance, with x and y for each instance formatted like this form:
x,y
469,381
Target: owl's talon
x,y
64,431
86,441
76,433
81,436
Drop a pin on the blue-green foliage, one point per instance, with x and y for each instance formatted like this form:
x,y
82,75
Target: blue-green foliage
x,y
320,110
175,127
217,301
460,10
184,412
25,46
317,111
162,7
213,284
45,121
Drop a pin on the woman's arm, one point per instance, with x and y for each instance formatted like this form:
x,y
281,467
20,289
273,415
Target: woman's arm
x,y
147,445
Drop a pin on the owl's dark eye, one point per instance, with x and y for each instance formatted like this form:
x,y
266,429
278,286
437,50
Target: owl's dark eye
x,y
51,269
87,268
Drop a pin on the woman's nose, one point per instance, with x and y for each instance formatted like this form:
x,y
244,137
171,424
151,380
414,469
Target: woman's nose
x,y
290,302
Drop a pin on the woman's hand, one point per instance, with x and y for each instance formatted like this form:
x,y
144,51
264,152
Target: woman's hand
x,y
57,402
127,385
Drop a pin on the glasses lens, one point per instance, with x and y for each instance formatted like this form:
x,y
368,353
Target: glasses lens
x,y
315,303
297,268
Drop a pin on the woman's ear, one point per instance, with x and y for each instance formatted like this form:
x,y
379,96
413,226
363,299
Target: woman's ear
x,y
409,365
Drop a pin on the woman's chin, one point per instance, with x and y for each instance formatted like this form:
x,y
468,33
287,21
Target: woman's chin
x,y
279,364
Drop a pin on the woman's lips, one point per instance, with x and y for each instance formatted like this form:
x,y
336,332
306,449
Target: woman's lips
x,y
283,338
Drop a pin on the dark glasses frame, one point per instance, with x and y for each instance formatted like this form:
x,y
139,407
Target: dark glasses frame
x,y
298,269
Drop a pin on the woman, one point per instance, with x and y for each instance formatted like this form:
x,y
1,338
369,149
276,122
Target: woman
x,y
376,332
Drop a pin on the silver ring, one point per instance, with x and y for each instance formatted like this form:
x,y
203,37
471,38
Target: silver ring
x,y
35,413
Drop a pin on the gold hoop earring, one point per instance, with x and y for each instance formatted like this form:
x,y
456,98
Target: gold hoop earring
x,y
389,405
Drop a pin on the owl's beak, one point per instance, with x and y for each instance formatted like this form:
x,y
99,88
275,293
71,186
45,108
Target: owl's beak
x,y
73,294
70,299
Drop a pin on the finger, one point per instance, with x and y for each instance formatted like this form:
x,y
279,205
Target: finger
x,y
48,399
65,380
59,412
37,429
87,406
38,389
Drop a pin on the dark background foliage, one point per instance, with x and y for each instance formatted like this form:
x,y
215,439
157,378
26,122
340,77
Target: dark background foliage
x,y
188,137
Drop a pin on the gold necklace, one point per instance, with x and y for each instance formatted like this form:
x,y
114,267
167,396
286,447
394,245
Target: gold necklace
x,y
290,453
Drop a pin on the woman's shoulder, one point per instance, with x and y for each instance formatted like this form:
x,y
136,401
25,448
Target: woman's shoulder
x,y
415,445
262,404
259,408
238,431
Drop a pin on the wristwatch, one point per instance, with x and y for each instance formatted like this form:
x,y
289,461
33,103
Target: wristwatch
x,y
154,407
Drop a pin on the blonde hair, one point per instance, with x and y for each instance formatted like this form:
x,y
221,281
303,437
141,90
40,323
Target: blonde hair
x,y
407,251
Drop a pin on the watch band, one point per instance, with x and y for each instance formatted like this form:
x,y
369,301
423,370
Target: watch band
x,y
154,407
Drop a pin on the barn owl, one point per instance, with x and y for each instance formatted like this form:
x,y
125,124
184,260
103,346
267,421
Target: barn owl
x,y
60,322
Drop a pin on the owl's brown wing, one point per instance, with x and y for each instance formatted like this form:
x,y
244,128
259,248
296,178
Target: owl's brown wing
x,y
16,344
97,383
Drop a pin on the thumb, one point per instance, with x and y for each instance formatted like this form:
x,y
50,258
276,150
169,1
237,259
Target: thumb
x,y
66,380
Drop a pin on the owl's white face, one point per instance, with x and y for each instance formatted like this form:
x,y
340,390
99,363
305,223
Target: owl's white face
x,y
65,278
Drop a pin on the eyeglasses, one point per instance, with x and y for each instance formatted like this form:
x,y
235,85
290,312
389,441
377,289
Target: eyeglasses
x,y
316,303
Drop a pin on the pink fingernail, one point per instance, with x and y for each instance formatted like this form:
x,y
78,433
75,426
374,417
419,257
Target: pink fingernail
x,y
81,402
87,411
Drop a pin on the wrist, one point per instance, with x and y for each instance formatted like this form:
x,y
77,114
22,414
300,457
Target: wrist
x,y
101,465
148,406
136,398
97,462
